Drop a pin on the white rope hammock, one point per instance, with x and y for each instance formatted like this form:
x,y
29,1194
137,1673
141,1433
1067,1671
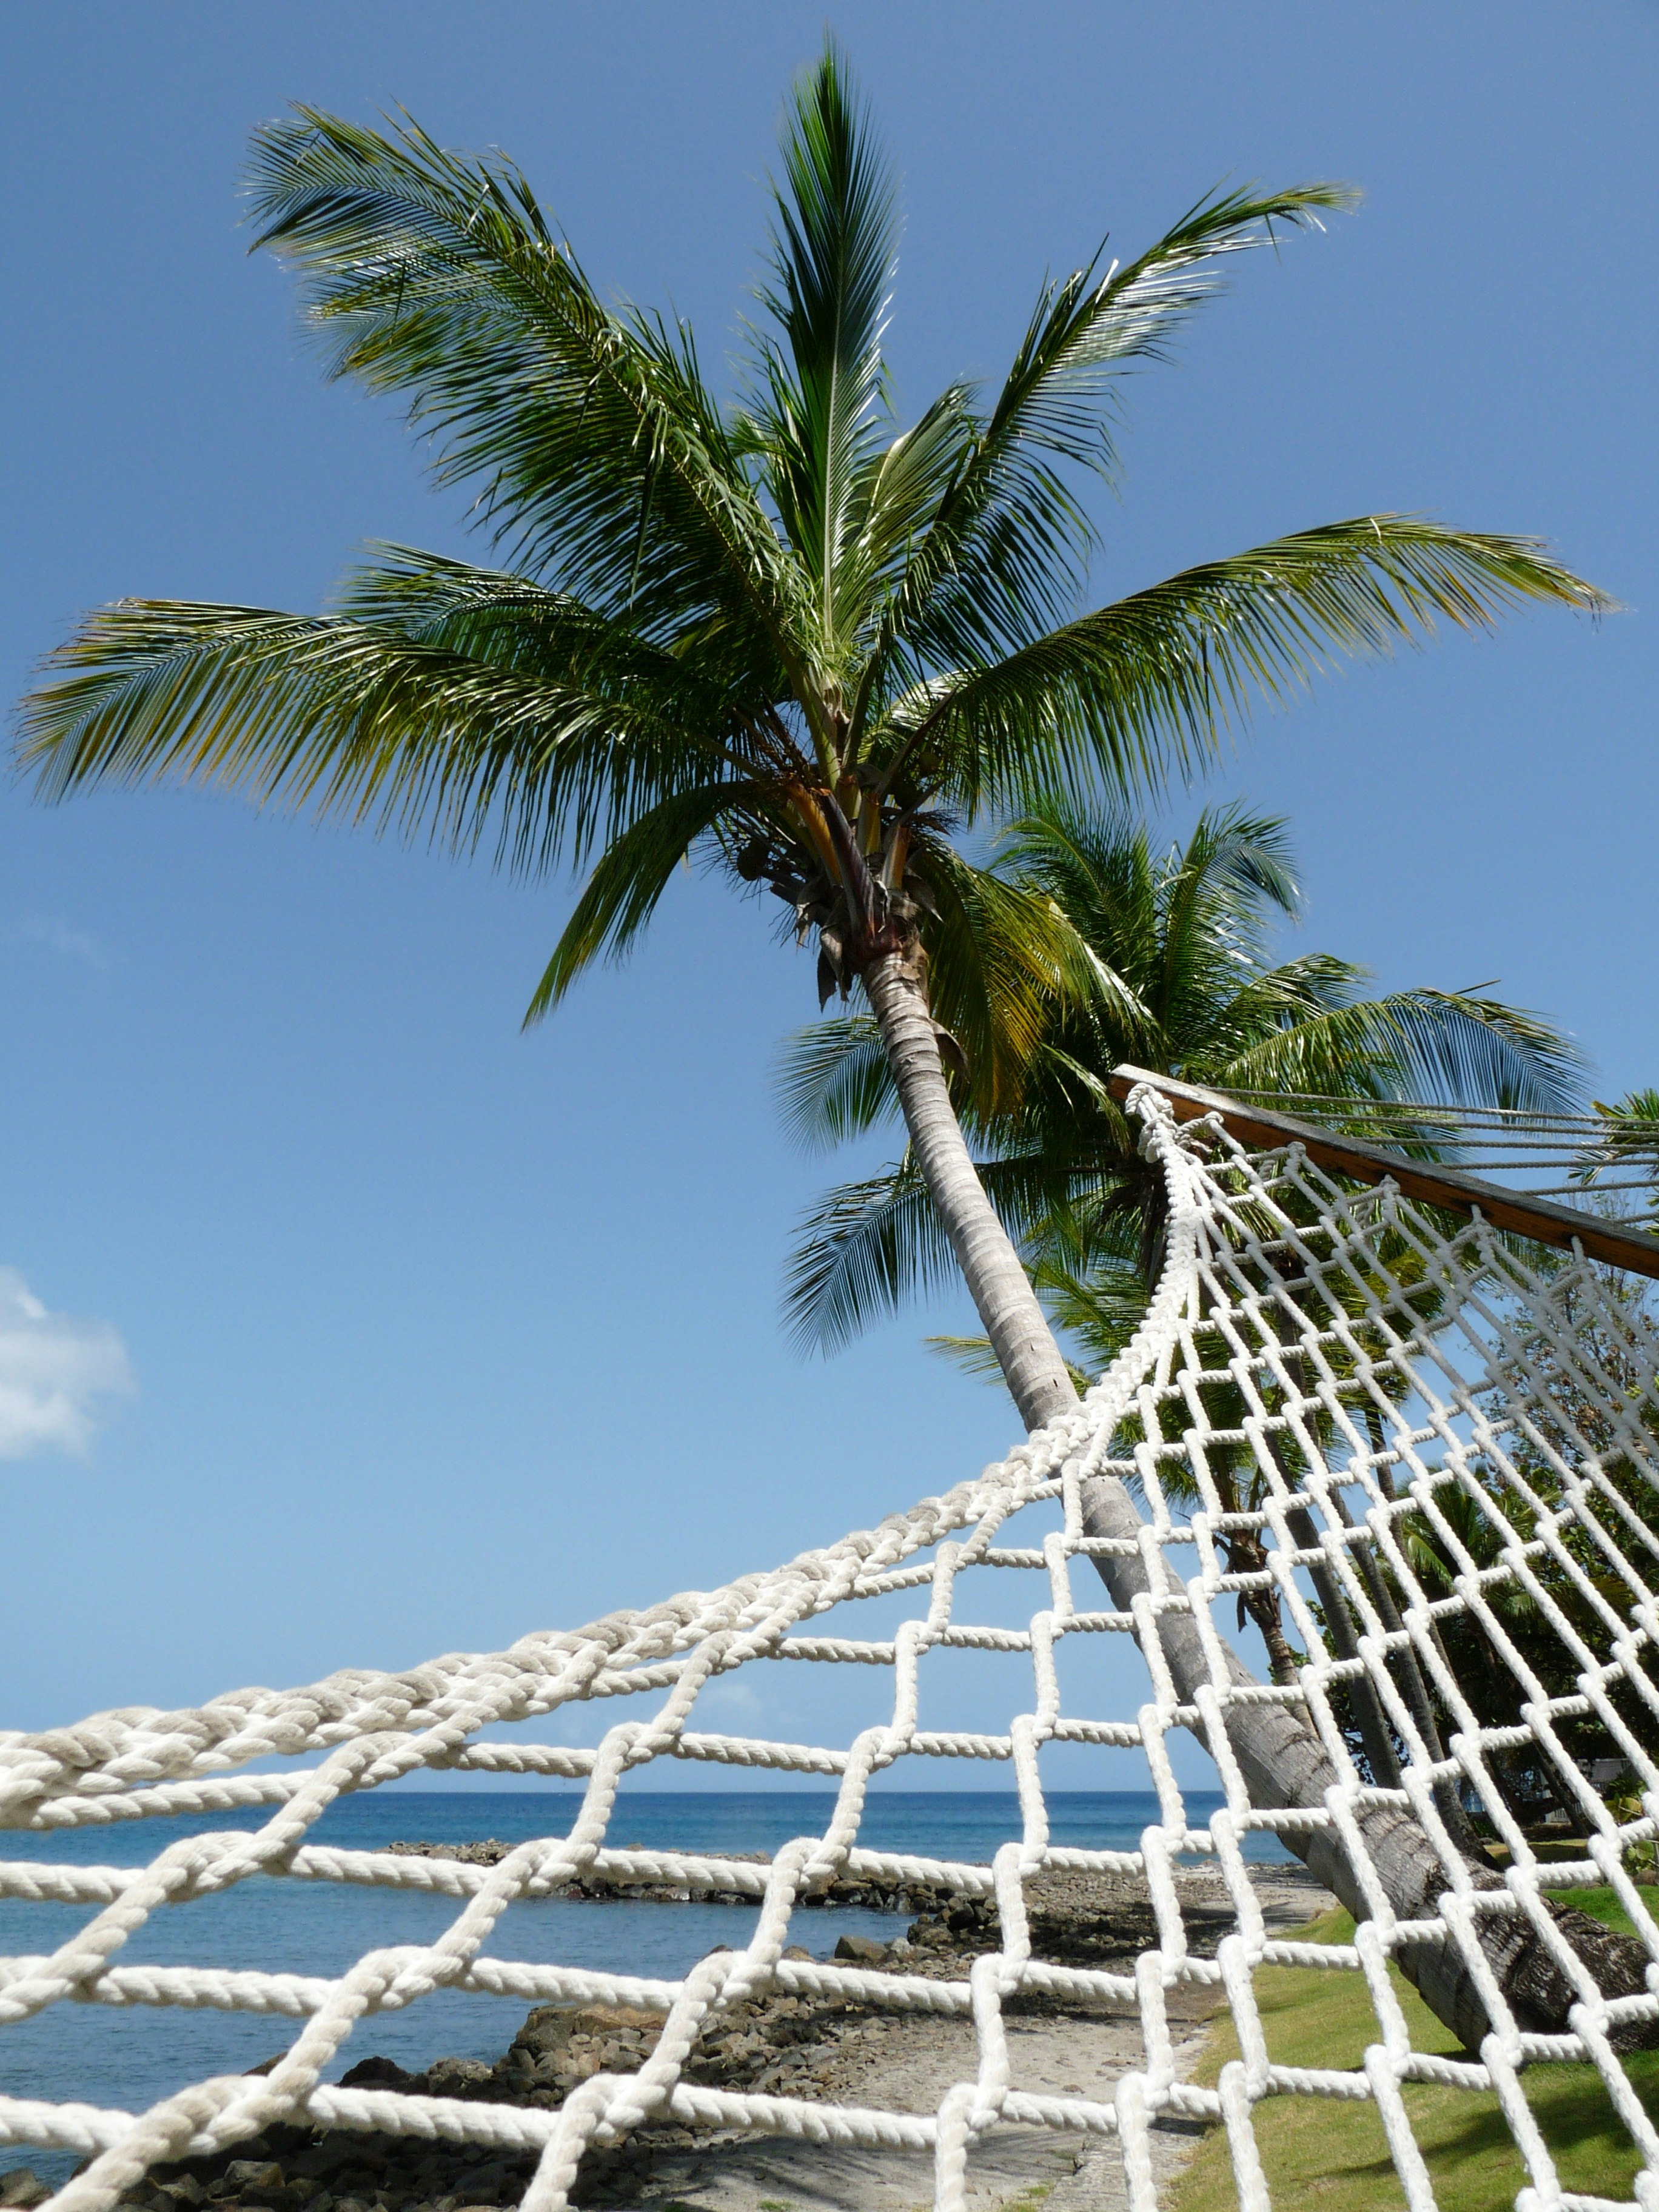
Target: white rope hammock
x,y
1370,1366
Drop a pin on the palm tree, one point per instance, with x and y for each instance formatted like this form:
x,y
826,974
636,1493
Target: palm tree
x,y
1628,1143
786,636
1178,978
1178,947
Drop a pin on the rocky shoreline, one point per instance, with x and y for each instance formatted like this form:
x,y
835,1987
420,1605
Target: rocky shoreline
x,y
815,2048
870,1891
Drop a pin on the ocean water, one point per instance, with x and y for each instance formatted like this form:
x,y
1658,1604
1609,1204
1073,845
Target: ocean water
x,y
128,2057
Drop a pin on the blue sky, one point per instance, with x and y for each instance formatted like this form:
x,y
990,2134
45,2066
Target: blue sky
x,y
339,1323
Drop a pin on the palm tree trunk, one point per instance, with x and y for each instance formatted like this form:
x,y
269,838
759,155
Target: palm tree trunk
x,y
895,984
1284,1763
1363,1700
1448,1803
1280,1758
1263,1609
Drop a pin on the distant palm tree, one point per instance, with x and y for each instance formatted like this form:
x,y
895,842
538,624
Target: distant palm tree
x,y
1180,980
1628,1145
786,636
1177,944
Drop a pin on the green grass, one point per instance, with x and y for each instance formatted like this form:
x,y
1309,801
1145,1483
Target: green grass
x,y
1331,2151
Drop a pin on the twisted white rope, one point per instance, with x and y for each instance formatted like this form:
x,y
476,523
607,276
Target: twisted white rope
x,y
1322,1348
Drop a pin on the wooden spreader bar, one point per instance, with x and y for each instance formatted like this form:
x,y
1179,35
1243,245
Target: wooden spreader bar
x,y
1538,1218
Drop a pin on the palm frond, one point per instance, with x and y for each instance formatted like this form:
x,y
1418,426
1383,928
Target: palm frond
x,y
1479,1051
1097,1311
834,1081
1007,546
626,887
973,1355
1145,688
604,460
998,961
1416,1044
1096,1314
511,621
1118,1010
862,1250
834,243
1096,863
1246,856
1264,1002
1629,1137
895,496
363,721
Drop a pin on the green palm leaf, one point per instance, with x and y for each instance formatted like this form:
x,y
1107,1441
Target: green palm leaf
x,y
865,1248
834,1082
834,251
1147,686
1181,980
626,887
1429,1046
603,459
1009,540
370,722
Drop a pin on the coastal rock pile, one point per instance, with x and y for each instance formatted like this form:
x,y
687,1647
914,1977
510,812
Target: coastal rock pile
x,y
1075,1920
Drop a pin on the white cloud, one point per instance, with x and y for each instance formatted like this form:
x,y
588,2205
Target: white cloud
x,y
55,1369
72,944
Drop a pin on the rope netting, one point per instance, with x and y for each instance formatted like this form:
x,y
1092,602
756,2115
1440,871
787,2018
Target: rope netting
x,y
1428,1452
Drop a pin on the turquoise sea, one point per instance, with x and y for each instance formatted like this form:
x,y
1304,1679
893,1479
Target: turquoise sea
x,y
101,2055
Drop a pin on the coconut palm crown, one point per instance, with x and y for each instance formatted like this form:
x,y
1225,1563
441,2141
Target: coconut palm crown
x,y
790,635
1182,981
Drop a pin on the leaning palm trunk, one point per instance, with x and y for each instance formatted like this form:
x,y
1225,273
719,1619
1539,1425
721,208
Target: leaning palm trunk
x,y
896,985
1281,1759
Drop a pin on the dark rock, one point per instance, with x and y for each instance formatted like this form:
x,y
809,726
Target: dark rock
x,y
489,2185
606,2019
863,1950
548,2029
490,1852
458,2077
250,2181
23,2188
329,2155
378,2072
185,2191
